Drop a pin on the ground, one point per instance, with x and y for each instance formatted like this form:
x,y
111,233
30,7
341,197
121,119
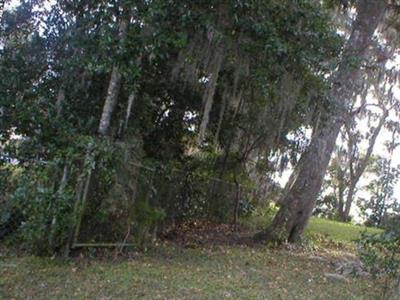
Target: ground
x,y
182,268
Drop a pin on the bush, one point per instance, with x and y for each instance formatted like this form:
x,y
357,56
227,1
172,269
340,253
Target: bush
x,y
38,208
124,201
35,215
195,189
381,254
261,216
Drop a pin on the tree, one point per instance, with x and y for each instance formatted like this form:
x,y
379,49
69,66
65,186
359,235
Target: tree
x,y
238,81
377,208
349,163
299,200
381,202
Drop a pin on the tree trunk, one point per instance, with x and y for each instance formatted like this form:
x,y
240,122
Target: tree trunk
x,y
220,119
111,101
345,211
299,201
355,178
129,109
124,123
60,102
341,188
113,88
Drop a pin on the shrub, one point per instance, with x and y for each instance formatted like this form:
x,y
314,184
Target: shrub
x,y
261,216
381,254
37,216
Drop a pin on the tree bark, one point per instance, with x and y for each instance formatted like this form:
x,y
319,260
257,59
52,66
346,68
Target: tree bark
x,y
113,88
60,102
299,201
129,110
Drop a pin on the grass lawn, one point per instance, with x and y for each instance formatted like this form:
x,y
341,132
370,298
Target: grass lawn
x,y
338,231
169,271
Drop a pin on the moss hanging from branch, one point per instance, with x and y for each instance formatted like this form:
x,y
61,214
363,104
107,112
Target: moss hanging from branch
x,y
209,92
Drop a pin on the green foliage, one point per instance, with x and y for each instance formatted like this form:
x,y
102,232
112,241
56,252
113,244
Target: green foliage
x,y
326,207
377,208
261,217
145,218
40,214
381,254
37,209
203,186
55,67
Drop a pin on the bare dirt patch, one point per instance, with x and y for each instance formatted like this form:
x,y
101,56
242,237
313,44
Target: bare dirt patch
x,y
207,235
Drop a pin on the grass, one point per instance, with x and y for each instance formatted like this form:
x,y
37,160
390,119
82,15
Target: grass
x,y
334,230
168,272
171,272
338,231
